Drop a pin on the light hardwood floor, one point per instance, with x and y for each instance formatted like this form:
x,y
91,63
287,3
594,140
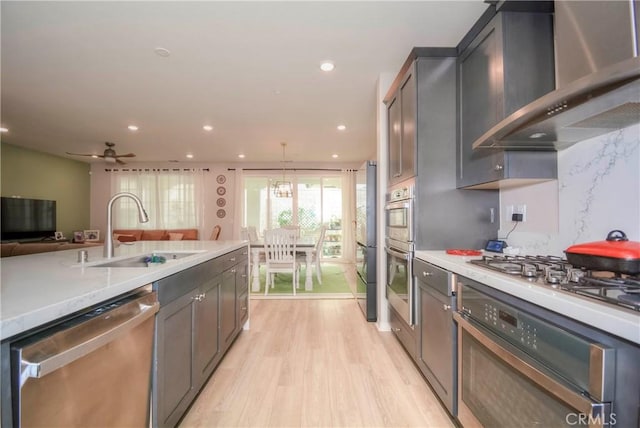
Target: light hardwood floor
x,y
315,363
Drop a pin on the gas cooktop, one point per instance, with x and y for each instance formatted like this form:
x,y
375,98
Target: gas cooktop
x,y
609,287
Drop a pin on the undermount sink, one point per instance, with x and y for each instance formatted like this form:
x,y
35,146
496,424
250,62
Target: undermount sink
x,y
146,259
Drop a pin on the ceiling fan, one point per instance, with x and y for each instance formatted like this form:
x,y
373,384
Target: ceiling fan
x,y
109,154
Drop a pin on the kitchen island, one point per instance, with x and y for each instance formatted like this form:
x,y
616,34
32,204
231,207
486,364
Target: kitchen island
x,y
622,322
41,288
200,288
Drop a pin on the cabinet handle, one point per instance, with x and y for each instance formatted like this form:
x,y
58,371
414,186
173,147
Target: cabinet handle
x,y
446,307
395,330
232,259
233,271
244,308
202,296
498,167
425,273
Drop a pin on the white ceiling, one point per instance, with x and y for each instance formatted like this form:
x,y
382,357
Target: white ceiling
x,y
76,74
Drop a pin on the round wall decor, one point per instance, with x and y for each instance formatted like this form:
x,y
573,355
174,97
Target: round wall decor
x,y
221,202
221,179
221,190
221,213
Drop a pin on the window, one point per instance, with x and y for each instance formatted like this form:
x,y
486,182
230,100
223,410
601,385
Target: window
x,y
317,201
171,198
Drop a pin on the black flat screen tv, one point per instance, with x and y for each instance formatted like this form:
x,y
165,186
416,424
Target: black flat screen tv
x,y
24,218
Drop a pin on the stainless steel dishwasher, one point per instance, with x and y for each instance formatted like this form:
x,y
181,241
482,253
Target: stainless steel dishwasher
x,y
91,370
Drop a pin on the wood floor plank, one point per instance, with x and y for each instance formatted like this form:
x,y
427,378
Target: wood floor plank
x,y
315,363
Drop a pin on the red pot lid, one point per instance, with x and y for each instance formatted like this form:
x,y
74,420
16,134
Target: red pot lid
x,y
616,246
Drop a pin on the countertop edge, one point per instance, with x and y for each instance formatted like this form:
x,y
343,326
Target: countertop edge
x,y
621,322
104,284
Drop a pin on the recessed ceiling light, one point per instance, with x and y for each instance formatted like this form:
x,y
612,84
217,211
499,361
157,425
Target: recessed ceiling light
x,y
94,156
335,155
327,66
341,127
189,156
132,128
241,156
163,52
4,130
208,128
538,135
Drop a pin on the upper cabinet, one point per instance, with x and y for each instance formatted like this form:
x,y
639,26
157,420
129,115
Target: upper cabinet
x,y
401,110
506,65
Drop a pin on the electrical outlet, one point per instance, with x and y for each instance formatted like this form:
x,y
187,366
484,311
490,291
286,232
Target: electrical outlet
x,y
521,209
510,211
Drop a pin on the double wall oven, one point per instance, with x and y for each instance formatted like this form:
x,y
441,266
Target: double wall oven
x,y
399,246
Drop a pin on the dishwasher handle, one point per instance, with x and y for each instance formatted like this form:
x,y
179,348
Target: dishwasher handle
x,y
63,347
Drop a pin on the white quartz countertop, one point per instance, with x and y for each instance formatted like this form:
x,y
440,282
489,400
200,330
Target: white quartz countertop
x,y
40,288
619,321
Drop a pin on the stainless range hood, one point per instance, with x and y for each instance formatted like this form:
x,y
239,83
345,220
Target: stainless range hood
x,y
596,104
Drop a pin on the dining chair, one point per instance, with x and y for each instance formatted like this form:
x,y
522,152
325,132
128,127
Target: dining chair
x,y
280,257
293,227
215,234
317,254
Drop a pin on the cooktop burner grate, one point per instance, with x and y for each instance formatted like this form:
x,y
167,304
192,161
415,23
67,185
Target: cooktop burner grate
x,y
608,287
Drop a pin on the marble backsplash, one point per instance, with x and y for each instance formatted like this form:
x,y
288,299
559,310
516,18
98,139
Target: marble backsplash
x,y
598,190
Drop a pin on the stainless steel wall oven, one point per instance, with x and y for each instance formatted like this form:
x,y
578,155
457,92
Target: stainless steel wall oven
x,y
399,247
521,365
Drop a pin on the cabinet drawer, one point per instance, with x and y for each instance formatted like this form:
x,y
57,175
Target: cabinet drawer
x,y
435,277
234,257
403,332
243,309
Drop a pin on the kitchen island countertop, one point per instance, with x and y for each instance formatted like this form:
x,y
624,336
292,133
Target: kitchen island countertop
x,y
619,321
39,288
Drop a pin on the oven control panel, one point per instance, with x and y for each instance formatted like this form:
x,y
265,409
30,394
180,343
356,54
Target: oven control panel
x,y
508,323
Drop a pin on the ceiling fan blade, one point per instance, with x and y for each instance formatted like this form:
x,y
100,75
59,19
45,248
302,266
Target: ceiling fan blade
x,y
83,154
120,162
128,155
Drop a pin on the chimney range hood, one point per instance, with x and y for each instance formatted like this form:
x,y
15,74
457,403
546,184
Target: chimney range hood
x,y
596,104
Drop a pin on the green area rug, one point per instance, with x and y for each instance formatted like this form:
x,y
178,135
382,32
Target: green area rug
x,y
333,282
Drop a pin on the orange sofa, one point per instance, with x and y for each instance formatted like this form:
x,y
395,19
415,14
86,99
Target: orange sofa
x,y
130,235
11,249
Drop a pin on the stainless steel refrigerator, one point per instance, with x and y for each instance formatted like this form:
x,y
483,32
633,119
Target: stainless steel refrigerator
x,y
366,240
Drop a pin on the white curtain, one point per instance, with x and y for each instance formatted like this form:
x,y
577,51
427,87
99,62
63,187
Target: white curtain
x,y
348,214
172,198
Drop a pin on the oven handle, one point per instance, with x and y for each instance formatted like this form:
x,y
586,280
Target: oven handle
x,y
572,398
405,203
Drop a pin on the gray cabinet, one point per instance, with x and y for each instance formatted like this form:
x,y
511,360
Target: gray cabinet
x,y
437,354
508,64
197,323
205,329
174,388
401,112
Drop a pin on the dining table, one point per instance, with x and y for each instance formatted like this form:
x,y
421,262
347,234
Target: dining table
x,y
304,245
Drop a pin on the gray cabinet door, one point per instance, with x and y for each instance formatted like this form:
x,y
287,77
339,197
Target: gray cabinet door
x,y
174,343
479,104
207,347
395,140
495,79
242,293
402,131
436,351
228,307
408,98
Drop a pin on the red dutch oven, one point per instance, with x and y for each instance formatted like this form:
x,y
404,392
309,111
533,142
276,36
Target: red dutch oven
x,y
615,254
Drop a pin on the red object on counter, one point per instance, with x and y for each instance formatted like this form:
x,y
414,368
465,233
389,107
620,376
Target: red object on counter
x,y
458,252
615,254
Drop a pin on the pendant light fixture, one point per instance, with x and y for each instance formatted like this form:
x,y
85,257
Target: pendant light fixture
x,y
283,189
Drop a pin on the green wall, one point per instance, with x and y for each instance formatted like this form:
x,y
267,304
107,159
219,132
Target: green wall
x,y
31,174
